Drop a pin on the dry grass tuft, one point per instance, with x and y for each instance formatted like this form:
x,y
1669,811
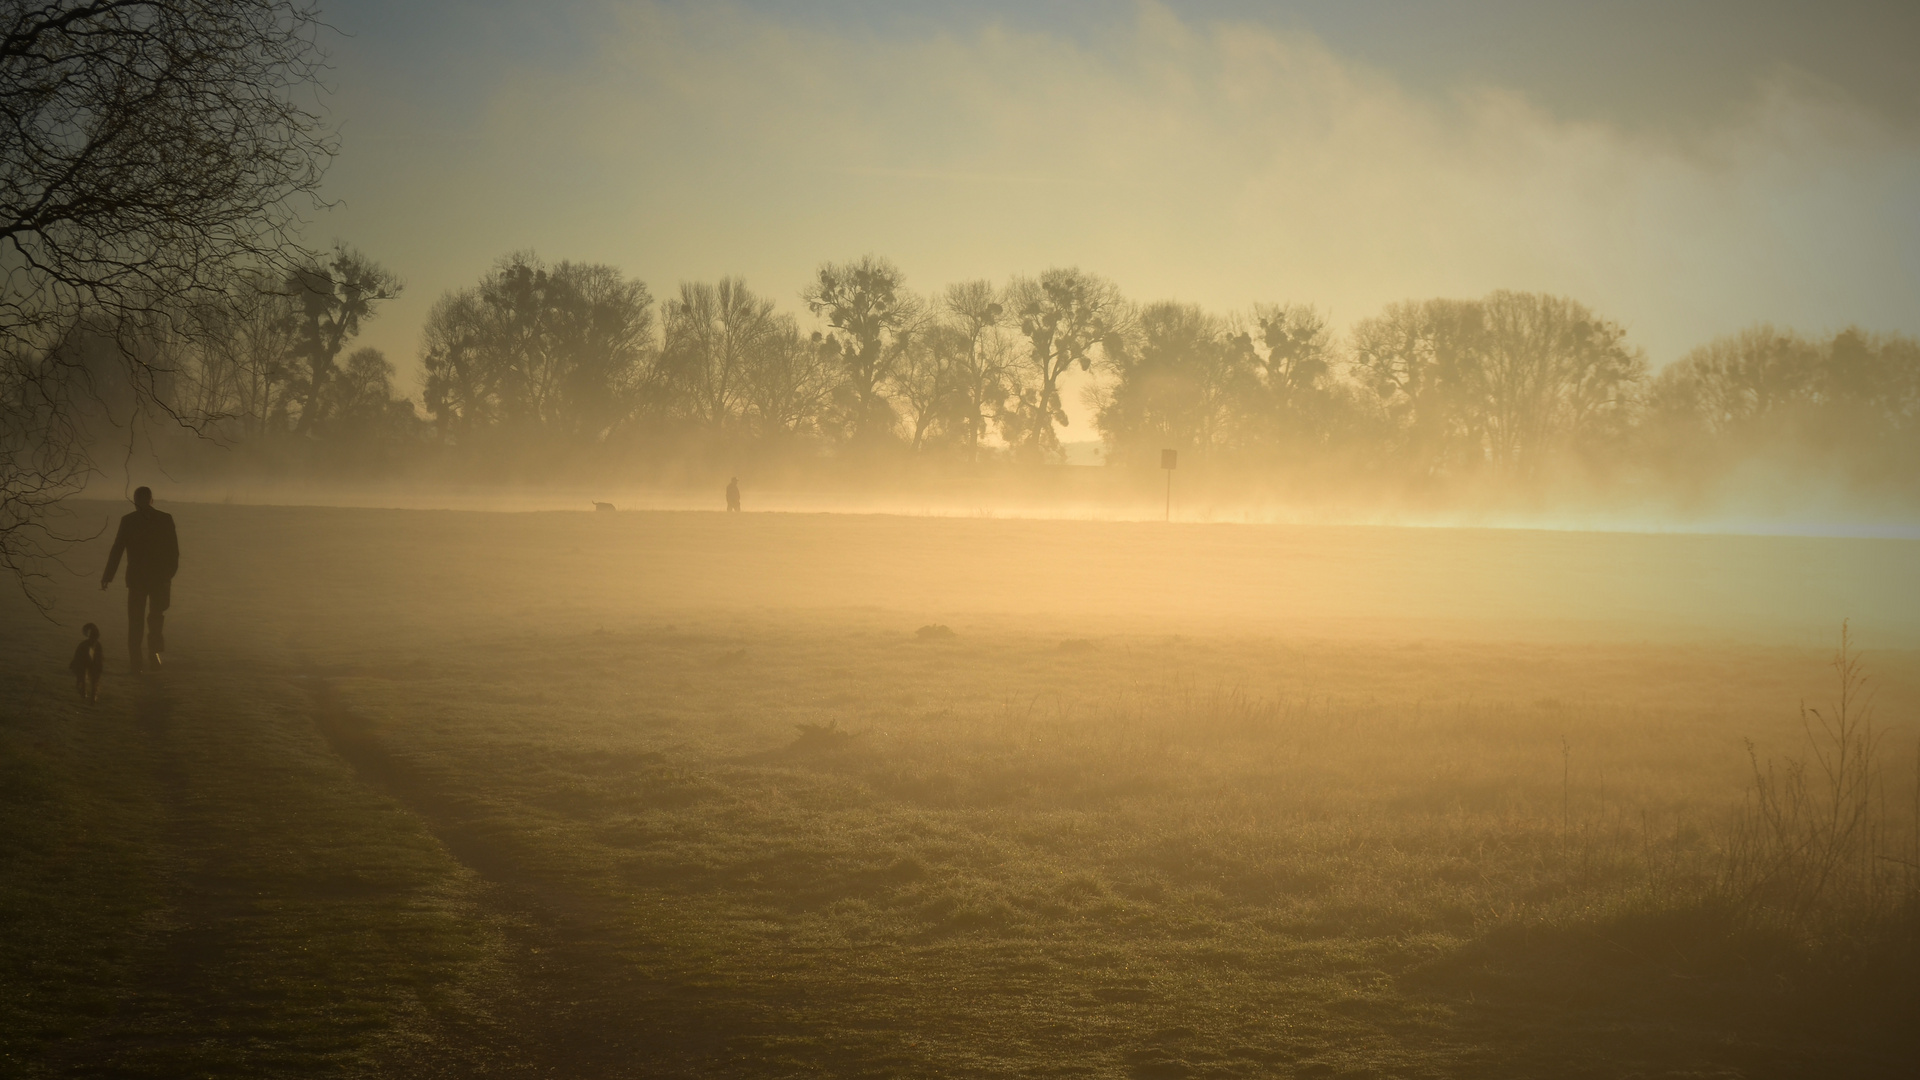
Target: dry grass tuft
x,y
1818,849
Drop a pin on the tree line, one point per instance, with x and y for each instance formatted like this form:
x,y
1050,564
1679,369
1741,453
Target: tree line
x,y
149,150
537,359
157,158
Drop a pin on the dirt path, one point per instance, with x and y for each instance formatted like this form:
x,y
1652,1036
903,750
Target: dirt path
x,y
585,990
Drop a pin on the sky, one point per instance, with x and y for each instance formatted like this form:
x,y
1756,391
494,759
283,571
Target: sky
x,y
1684,169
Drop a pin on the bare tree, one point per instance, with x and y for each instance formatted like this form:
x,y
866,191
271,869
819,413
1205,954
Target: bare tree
x,y
925,380
790,380
603,331
363,410
330,301
714,335
1557,378
1069,317
1286,399
262,343
1851,402
43,461
1424,362
557,354
982,375
148,148
461,382
1174,389
235,360
866,300
1757,377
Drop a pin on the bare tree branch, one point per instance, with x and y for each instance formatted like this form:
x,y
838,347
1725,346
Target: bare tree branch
x,y
149,151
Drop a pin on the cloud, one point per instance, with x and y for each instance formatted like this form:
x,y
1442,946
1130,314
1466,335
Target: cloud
x,y
1226,163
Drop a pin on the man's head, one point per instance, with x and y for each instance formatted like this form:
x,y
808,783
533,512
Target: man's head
x,y
142,497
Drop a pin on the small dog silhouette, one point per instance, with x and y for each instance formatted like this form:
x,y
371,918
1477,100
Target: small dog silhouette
x,y
88,661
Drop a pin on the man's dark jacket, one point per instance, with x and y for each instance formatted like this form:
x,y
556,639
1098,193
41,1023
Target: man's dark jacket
x,y
153,551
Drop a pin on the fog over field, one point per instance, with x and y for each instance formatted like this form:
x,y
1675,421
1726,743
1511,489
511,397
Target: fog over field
x,y
1142,577
1186,539
465,792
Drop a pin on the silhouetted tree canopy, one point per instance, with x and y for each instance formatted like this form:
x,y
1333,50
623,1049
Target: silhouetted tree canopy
x,y
715,336
330,299
1069,317
537,368
867,302
791,381
1557,378
149,149
1422,361
562,355
980,376
261,359
1176,389
1287,404
1850,404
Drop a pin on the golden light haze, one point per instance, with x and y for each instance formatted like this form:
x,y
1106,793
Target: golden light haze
x,y
1221,162
734,611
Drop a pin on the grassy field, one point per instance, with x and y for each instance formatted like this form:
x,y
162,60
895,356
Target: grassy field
x,y
575,794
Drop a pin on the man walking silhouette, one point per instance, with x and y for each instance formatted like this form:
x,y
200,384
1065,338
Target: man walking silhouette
x,y
153,555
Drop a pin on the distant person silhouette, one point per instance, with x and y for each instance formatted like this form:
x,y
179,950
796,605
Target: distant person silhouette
x,y
153,555
733,495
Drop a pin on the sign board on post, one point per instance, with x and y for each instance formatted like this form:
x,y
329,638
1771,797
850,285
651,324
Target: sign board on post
x,y
1168,460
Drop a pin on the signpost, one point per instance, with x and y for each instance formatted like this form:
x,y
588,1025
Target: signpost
x,y
1169,459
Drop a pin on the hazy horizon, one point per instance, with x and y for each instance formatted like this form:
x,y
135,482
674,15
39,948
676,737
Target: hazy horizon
x,y
865,538
1217,153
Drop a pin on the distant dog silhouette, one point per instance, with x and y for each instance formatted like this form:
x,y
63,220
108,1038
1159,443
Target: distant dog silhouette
x,y
602,506
88,661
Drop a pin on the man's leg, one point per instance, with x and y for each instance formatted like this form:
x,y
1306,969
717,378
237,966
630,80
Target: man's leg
x,y
159,599
136,620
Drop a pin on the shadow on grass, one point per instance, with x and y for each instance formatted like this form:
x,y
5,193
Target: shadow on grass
x,y
153,709
587,989
1682,984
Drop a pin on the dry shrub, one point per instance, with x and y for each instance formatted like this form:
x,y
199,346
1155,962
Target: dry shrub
x,y
1817,849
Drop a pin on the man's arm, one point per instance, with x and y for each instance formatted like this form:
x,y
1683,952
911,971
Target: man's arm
x,y
113,557
170,549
